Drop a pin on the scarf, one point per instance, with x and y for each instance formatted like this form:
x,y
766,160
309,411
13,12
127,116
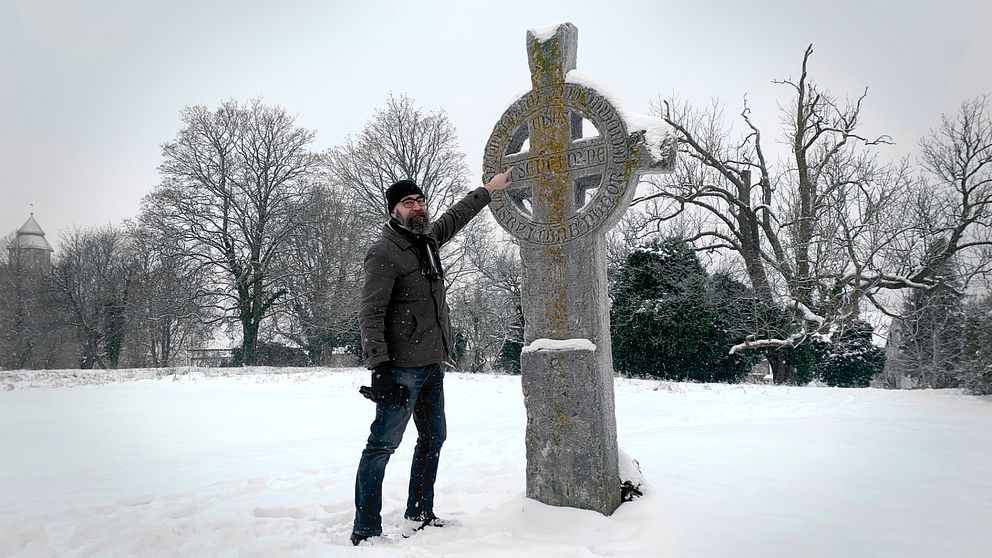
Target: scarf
x,y
427,250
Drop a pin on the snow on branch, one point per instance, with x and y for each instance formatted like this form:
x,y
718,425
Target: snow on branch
x,y
790,341
885,280
808,314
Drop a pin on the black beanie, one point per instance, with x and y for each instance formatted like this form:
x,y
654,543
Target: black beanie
x,y
400,190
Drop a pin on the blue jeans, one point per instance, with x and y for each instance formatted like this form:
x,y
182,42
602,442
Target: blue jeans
x,y
426,405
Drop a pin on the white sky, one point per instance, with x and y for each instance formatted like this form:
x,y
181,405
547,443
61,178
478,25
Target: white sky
x,y
90,90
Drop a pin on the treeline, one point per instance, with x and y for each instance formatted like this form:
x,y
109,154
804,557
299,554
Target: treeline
x,y
673,320
251,228
773,246
826,232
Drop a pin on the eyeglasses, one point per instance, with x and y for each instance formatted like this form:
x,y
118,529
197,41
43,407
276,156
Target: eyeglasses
x,y
410,202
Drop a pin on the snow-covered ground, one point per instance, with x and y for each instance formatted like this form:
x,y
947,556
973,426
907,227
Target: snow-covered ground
x,y
261,462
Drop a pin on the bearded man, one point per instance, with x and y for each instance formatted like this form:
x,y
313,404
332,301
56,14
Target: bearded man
x,y
406,336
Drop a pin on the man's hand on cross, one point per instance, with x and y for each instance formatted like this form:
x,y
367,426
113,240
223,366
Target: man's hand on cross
x,y
499,182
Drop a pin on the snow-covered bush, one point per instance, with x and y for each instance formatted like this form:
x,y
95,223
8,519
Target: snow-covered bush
x,y
671,320
850,359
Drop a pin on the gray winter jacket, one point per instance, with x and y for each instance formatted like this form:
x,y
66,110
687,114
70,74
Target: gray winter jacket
x,y
404,315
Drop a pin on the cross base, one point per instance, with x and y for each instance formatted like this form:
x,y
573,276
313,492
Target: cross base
x,y
571,430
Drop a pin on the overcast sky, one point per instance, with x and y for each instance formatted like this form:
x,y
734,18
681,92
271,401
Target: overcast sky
x,y
90,90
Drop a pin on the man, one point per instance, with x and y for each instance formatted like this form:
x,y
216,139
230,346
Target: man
x,y
406,336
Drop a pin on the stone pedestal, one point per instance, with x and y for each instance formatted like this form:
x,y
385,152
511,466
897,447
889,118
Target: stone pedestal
x,y
571,429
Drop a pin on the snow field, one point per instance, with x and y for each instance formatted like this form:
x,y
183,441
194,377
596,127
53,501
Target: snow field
x,y
261,462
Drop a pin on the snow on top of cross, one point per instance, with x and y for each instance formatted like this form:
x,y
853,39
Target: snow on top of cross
x,y
559,345
545,33
577,77
514,98
657,132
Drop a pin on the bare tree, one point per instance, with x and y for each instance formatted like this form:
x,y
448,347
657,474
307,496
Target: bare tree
x,y
231,183
821,233
953,206
165,314
949,233
485,302
323,263
93,276
400,141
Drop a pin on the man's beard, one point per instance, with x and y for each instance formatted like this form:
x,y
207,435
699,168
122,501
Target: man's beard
x,y
417,222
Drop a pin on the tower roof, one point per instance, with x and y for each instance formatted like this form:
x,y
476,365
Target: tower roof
x,y
30,236
31,227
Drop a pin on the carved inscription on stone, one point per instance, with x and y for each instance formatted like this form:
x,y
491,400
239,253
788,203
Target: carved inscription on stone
x,y
605,156
584,158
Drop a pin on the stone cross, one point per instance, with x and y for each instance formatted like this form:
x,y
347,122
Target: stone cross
x,y
567,192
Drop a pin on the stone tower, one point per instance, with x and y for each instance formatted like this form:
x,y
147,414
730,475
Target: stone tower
x,y
29,250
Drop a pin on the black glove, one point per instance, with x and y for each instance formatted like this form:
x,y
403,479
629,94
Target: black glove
x,y
384,389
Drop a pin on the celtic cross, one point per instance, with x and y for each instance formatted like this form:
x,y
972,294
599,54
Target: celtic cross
x,y
567,192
